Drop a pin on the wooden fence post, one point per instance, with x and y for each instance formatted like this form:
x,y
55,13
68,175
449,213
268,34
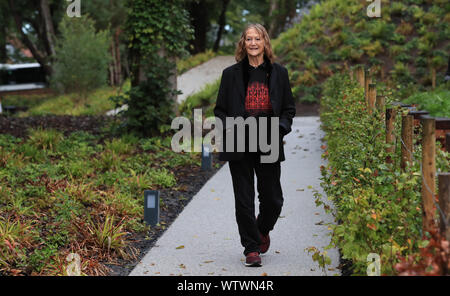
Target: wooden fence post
x,y
380,103
447,142
367,82
390,137
428,170
444,203
433,78
359,71
371,96
407,140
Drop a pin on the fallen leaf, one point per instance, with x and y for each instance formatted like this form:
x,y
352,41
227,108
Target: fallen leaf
x,y
372,226
301,189
319,223
208,261
180,247
182,266
264,274
277,252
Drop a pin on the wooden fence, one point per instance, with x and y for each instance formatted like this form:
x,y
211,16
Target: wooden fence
x,y
433,129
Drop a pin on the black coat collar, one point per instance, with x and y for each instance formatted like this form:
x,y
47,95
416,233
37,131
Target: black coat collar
x,y
242,78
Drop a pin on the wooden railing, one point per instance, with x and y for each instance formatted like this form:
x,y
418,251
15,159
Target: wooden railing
x,y
433,129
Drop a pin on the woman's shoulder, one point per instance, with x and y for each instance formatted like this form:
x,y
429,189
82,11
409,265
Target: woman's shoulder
x,y
235,66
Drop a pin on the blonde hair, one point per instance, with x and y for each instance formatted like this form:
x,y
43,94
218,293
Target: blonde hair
x,y
241,53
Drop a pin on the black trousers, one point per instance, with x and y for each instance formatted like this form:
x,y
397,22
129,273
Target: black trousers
x,y
269,194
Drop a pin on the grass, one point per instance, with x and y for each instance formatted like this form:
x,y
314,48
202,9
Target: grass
x,y
205,98
97,102
407,41
77,194
184,65
436,102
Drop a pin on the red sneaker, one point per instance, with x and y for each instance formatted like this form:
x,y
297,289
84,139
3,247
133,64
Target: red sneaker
x,y
253,260
265,243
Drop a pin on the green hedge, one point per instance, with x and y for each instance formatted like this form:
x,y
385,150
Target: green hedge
x,y
378,206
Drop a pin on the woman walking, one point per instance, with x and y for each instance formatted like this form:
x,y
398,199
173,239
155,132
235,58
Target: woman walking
x,y
257,87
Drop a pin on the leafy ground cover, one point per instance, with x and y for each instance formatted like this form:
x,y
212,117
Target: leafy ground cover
x,y
205,99
377,205
97,103
64,190
436,102
409,39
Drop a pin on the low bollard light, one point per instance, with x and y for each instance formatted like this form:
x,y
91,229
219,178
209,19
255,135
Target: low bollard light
x,y
151,207
206,158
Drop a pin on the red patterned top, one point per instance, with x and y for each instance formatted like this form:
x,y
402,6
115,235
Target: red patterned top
x,y
257,100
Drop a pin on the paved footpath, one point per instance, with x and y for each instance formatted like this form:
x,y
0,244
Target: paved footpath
x,y
196,78
204,238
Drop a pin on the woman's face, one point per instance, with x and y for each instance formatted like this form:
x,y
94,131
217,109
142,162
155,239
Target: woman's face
x,y
254,43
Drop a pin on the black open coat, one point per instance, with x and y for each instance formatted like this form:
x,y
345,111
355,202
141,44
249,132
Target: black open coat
x,y
231,100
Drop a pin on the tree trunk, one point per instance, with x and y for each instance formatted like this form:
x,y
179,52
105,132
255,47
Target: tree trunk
x,y
48,25
173,78
40,58
272,19
117,60
3,55
222,22
112,80
200,22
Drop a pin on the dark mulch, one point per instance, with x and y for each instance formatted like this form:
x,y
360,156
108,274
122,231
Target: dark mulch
x,y
18,127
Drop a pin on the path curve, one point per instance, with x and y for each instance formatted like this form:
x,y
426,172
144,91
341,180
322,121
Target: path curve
x,y
196,78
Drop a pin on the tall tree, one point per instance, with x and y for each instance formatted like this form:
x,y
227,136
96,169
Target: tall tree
x,y
4,25
49,30
35,25
158,31
221,23
111,15
199,11
281,13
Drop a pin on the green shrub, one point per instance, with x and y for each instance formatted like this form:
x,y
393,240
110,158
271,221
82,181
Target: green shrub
x,y
45,139
205,97
377,206
151,103
437,102
77,70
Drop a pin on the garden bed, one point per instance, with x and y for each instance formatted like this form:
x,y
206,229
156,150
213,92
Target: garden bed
x,y
68,186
